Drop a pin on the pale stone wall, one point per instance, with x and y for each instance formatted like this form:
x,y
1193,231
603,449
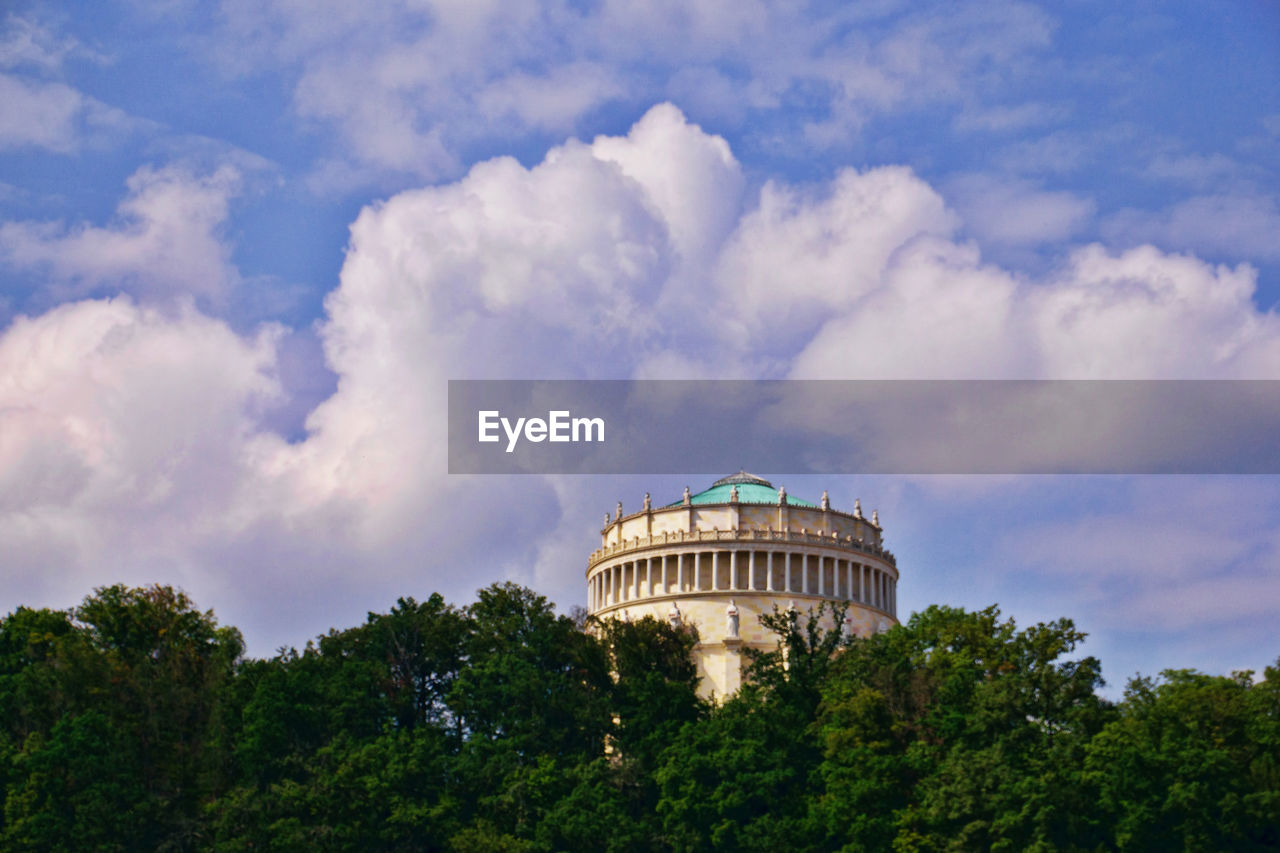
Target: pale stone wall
x,y
739,517
701,557
721,659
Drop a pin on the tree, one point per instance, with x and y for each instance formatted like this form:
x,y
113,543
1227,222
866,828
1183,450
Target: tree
x,y
135,684
532,702
1192,763
655,689
44,670
742,778
389,793
958,730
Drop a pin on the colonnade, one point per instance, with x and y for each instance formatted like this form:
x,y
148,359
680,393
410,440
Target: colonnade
x,y
739,570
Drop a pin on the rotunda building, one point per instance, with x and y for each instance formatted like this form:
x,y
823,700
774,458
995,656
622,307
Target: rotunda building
x,y
720,558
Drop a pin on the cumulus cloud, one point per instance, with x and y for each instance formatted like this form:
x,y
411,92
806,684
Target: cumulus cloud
x,y
798,259
123,440
1141,314
165,239
140,435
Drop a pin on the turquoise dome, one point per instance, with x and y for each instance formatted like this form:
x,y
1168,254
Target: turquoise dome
x,y
751,490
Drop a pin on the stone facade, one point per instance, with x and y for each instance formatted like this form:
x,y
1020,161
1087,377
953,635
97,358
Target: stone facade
x,y
719,559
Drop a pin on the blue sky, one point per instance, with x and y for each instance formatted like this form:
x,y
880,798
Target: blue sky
x,y
244,244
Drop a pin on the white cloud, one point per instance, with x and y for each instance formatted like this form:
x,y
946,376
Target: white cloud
x,y
411,86
1160,558
550,101
799,259
690,177
52,115
1015,212
1006,119
1199,170
133,440
165,240
40,112
1055,153
27,43
1142,314
1146,314
1231,224
935,312
123,435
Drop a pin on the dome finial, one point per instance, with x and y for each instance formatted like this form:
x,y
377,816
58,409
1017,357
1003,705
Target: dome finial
x,y
742,477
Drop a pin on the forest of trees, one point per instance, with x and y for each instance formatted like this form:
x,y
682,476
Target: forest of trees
x,y
135,722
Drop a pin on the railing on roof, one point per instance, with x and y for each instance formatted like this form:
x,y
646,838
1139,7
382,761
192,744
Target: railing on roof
x,y
657,540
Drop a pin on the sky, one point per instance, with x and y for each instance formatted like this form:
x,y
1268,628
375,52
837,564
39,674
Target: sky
x,y
244,245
